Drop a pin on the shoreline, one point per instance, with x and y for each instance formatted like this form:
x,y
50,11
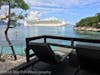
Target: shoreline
x,y
87,29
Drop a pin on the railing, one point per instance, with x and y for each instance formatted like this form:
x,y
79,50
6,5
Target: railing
x,y
71,39
46,37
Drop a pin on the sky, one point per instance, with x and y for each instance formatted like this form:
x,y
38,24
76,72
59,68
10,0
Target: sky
x,y
68,10
71,11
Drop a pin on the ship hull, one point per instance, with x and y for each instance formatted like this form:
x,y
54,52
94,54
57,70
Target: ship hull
x,y
43,24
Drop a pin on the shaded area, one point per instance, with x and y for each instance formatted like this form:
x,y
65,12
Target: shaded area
x,y
41,68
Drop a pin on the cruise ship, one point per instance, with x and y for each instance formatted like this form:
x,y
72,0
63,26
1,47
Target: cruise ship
x,y
33,19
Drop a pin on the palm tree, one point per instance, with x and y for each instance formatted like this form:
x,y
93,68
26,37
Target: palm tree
x,y
12,4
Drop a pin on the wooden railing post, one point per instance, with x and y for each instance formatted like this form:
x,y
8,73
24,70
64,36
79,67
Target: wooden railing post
x,y
45,41
72,43
27,54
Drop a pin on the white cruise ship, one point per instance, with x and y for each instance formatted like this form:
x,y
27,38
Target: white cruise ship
x,y
32,19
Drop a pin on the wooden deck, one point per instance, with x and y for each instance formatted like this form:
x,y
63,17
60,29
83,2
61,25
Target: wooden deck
x,y
41,68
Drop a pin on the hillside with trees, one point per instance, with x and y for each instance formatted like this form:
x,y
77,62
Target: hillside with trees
x,y
89,23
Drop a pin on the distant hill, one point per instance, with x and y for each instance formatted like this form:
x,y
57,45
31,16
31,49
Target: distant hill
x,y
93,21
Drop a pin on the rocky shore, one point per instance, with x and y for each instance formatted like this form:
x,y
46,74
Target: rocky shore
x,y
10,63
87,29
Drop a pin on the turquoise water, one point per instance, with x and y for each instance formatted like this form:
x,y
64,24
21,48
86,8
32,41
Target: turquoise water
x,y
18,35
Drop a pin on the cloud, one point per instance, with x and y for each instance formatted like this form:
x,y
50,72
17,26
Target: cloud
x,y
71,8
60,3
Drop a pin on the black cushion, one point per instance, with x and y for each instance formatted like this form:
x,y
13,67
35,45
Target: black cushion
x,y
89,57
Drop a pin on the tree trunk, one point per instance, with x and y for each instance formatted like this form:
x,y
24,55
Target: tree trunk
x,y
10,44
6,34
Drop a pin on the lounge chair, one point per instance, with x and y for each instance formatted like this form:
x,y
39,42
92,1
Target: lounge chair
x,y
44,53
89,58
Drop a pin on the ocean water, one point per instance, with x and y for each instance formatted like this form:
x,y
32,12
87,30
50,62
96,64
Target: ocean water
x,y
19,33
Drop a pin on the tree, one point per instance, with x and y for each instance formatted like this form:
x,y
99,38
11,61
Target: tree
x,y
90,21
12,4
98,15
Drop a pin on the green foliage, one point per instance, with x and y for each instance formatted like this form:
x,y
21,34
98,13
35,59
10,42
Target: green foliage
x,y
21,4
90,21
2,60
20,17
15,3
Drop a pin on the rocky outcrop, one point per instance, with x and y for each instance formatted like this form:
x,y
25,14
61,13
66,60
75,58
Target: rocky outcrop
x,y
87,29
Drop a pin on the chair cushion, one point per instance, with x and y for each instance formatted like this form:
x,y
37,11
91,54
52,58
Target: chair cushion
x,y
63,50
89,57
60,55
